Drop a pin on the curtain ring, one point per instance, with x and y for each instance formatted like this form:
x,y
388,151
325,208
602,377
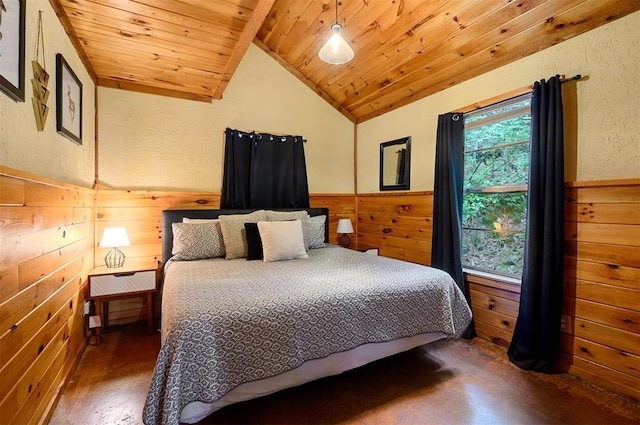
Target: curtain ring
x,y
456,117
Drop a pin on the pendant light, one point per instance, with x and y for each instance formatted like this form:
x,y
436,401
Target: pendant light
x,y
336,51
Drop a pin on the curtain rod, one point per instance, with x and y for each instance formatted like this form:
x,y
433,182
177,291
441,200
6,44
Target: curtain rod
x,y
265,132
576,77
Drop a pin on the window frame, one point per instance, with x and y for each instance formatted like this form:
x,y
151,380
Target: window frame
x,y
515,188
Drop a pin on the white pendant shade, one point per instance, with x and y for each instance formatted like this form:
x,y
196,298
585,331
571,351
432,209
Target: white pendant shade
x,y
336,51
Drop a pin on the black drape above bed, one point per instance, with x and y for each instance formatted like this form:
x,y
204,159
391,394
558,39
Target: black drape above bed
x,y
264,171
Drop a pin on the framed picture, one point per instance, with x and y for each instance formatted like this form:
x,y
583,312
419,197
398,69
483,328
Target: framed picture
x,y
12,17
68,101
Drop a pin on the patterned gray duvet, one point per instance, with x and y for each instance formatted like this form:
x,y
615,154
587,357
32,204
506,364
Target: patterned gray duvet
x,y
227,322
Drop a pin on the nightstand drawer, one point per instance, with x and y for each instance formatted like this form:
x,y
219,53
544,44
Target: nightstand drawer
x,y
122,283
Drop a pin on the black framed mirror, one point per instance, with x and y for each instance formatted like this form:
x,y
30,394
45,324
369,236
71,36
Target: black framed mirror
x,y
395,161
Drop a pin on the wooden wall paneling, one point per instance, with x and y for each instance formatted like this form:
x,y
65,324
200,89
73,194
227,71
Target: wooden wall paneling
x,y
604,294
13,311
128,310
157,199
620,318
8,283
494,303
46,239
496,335
607,335
19,339
398,224
140,212
622,256
37,268
495,311
623,213
15,403
12,191
494,291
23,247
602,284
606,192
605,377
340,206
498,320
621,361
600,233
612,274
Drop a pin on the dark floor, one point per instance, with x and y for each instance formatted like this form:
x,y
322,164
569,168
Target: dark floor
x,y
447,382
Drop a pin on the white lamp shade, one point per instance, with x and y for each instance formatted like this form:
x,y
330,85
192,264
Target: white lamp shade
x,y
336,51
114,237
345,226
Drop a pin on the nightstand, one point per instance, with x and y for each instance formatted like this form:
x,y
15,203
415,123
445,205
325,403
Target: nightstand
x,y
134,279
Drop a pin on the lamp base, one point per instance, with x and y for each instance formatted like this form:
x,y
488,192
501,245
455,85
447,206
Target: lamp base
x,y
114,258
345,241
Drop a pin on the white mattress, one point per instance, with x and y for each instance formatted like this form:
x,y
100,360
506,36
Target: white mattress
x,y
311,370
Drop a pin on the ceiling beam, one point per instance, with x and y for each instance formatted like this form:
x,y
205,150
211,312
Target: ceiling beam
x,y
68,28
248,34
142,88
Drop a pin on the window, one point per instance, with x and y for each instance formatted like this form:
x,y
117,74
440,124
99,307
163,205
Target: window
x,y
496,171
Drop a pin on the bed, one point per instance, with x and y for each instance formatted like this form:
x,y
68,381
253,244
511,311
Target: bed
x,y
233,329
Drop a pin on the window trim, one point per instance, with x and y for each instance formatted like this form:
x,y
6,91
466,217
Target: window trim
x,y
506,100
506,280
498,189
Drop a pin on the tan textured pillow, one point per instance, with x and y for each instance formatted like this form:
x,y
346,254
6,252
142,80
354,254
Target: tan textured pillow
x,y
233,232
303,216
281,240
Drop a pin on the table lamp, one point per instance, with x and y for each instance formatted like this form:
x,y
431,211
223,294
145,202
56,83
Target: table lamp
x,y
114,237
345,227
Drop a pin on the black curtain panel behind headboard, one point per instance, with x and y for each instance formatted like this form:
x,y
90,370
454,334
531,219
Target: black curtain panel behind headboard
x,y
264,171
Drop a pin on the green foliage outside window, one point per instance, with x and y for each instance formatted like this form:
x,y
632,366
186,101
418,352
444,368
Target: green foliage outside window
x,y
496,168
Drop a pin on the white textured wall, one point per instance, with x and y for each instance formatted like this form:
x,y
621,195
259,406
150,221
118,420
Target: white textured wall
x,y
48,153
154,142
608,104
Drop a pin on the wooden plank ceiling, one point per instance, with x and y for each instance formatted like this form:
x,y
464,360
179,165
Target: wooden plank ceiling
x,y
404,49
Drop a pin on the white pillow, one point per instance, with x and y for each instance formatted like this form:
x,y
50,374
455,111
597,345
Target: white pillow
x,y
234,233
315,231
195,241
282,240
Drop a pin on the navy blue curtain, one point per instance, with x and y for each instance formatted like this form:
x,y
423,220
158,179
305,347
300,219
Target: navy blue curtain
x,y
446,251
536,337
264,171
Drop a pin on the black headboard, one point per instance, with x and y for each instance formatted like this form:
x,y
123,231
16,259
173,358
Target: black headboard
x,y
176,216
